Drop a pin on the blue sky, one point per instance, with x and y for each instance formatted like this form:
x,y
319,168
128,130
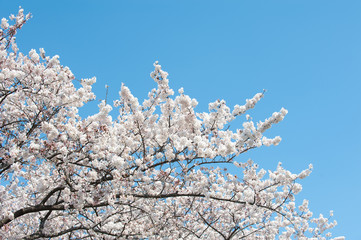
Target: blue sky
x,y
307,54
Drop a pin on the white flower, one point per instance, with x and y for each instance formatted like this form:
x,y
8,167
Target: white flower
x,y
34,56
4,23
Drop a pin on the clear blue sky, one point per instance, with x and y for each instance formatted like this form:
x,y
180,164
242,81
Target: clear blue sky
x,y
306,53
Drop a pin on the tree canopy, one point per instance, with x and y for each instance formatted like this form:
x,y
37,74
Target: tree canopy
x,y
153,172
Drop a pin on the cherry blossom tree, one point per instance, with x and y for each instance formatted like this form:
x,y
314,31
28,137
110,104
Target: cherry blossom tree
x,y
151,173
